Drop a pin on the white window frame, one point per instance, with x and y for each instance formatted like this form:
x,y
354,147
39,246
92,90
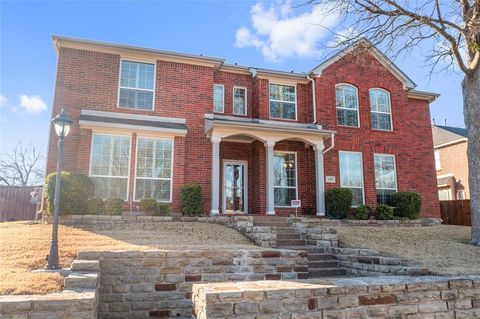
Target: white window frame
x,y
438,162
223,97
461,192
448,192
122,87
346,108
363,179
379,112
296,177
233,100
245,186
394,170
135,199
129,160
269,100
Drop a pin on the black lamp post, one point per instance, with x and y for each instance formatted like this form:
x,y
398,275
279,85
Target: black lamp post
x,y
62,123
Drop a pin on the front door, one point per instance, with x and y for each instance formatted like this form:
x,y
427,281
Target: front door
x,y
235,187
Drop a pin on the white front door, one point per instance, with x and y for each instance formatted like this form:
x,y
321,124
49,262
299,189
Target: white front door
x,y
235,197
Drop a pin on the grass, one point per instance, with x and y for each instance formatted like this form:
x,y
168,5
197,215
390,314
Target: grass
x,y
444,249
24,247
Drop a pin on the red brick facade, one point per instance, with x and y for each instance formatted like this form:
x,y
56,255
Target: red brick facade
x,y
89,80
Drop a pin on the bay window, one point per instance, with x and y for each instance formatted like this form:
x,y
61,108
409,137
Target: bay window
x,y
153,175
285,178
351,175
136,85
347,105
283,102
385,178
109,165
380,109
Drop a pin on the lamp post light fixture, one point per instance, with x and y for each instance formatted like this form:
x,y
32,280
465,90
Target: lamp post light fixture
x,y
62,123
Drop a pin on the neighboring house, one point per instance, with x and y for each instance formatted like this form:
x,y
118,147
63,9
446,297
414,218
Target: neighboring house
x,y
147,121
451,162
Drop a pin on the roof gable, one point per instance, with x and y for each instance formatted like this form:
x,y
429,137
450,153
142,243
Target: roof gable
x,y
446,135
384,60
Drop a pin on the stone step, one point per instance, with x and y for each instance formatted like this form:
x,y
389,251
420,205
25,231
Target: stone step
x,y
322,264
290,242
86,265
326,272
307,248
320,257
271,224
81,281
287,236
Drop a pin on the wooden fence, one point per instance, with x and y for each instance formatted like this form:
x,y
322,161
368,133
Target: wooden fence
x,y
16,203
456,212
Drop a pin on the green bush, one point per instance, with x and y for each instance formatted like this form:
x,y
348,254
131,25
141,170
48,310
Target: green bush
x,y
95,206
407,204
114,206
362,212
338,202
384,212
148,205
163,209
191,199
75,191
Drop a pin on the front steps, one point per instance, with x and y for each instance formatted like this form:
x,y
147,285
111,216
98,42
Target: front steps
x,y
320,262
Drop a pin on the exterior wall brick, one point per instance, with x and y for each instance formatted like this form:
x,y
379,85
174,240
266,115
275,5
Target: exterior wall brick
x,y
454,161
89,80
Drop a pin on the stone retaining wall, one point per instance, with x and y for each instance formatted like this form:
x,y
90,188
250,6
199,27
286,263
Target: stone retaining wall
x,y
263,236
309,222
78,300
381,297
158,284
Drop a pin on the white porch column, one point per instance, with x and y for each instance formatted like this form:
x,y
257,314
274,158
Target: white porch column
x,y
320,179
215,175
269,144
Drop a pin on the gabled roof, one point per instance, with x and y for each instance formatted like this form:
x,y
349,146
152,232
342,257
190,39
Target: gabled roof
x,y
446,135
382,58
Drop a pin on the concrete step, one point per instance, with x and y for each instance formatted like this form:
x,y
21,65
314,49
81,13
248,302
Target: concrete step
x,y
323,264
290,242
81,281
326,272
320,257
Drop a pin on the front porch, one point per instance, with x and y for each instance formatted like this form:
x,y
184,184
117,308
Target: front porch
x,y
259,167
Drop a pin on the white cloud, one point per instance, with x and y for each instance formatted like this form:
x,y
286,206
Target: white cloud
x,y
278,33
32,104
3,100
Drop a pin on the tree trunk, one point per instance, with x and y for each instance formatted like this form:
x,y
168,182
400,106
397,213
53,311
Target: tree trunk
x,y
471,109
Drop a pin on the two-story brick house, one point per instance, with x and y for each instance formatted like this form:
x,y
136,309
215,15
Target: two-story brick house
x,y
147,121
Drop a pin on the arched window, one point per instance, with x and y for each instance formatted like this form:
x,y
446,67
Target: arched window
x,y
461,194
380,109
347,105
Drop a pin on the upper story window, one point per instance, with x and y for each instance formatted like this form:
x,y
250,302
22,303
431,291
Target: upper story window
x,y
347,105
239,100
137,82
380,109
218,98
351,175
438,163
283,102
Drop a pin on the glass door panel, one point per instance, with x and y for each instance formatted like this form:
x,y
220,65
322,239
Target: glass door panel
x,y
234,187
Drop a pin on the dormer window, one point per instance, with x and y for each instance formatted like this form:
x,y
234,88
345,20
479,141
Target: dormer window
x,y
347,105
283,102
137,82
380,109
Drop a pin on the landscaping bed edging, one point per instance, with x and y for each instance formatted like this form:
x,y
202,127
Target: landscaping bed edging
x,y
78,300
378,297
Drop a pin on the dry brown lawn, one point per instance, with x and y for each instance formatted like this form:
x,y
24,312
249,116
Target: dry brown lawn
x,y
23,248
443,249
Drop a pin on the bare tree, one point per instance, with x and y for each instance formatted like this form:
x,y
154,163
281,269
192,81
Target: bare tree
x,y
21,166
449,34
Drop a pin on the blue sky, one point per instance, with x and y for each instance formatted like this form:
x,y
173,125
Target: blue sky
x,y
253,33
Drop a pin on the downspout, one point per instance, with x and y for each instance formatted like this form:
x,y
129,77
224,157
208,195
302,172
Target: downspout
x,y
314,99
332,144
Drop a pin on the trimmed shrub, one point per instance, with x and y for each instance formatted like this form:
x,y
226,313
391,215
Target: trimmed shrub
x,y
75,191
163,209
384,212
338,202
362,212
191,199
407,204
95,206
148,205
114,206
